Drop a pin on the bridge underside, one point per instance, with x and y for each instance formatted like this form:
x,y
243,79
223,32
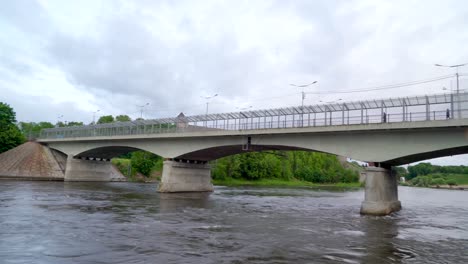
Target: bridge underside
x,y
106,152
224,151
427,155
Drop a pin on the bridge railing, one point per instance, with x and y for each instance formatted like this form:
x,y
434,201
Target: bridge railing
x,y
394,110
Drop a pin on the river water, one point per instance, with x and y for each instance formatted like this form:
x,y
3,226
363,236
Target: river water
x,y
56,222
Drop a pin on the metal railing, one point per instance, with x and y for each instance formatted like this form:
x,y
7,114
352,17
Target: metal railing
x,y
393,110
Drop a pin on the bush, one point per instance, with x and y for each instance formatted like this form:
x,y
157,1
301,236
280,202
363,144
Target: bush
x,y
143,162
451,182
438,181
422,181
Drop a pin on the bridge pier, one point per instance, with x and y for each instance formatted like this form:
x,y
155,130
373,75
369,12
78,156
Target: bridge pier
x,y
381,192
82,169
185,177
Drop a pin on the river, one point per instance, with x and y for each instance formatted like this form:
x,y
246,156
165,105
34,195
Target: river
x,y
57,222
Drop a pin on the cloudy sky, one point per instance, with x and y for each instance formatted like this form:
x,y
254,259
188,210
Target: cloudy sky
x,y
71,58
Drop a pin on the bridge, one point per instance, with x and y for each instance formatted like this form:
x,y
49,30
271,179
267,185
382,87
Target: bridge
x,y
384,132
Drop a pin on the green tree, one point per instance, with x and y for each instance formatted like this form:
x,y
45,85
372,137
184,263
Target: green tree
x,y
420,169
143,161
310,166
32,130
74,123
122,118
10,135
105,119
400,171
451,182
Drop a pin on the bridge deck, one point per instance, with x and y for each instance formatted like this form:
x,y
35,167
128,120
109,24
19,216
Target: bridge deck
x,y
401,111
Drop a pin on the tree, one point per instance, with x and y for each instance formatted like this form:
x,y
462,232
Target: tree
x,y
419,170
144,161
10,135
74,123
69,124
105,119
122,118
451,182
32,130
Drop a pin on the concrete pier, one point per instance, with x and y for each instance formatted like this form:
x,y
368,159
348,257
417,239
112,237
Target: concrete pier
x,y
185,177
91,170
381,192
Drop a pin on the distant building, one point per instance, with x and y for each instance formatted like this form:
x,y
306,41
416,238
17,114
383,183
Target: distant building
x,y
182,121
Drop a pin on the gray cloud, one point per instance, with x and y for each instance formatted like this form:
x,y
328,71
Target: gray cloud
x,y
170,53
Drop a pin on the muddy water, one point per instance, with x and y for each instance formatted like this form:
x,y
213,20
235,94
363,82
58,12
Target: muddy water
x,y
56,222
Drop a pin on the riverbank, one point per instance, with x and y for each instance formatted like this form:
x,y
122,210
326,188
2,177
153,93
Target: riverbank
x,y
280,183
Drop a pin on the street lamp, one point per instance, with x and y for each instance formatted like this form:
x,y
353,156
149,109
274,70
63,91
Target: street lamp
x,y
141,109
207,98
330,102
456,74
94,116
458,82
244,108
303,97
58,119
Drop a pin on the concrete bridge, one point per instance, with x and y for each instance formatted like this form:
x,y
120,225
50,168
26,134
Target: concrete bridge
x,y
386,133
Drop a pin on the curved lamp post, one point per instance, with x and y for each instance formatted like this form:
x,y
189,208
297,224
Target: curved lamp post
x,y
303,97
141,109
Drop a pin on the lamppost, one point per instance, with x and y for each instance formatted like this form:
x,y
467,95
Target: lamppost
x,y
331,102
244,108
94,116
207,98
303,97
141,109
456,66
58,119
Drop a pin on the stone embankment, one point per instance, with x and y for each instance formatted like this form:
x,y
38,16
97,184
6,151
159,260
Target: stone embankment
x,y
33,161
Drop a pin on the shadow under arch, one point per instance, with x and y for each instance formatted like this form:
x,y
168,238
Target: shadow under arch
x,y
214,153
109,152
428,155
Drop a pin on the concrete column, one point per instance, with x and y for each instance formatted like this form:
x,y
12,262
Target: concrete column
x,y
185,177
90,170
381,194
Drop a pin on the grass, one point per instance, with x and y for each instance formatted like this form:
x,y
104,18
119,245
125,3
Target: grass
x,y
279,183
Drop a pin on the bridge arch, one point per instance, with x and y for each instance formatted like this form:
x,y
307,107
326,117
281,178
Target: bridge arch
x,y
109,152
428,155
213,153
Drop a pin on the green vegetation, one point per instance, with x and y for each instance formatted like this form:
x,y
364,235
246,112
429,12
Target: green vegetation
x,y
428,175
105,119
139,165
122,118
423,169
32,130
278,168
439,179
69,124
10,135
282,166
